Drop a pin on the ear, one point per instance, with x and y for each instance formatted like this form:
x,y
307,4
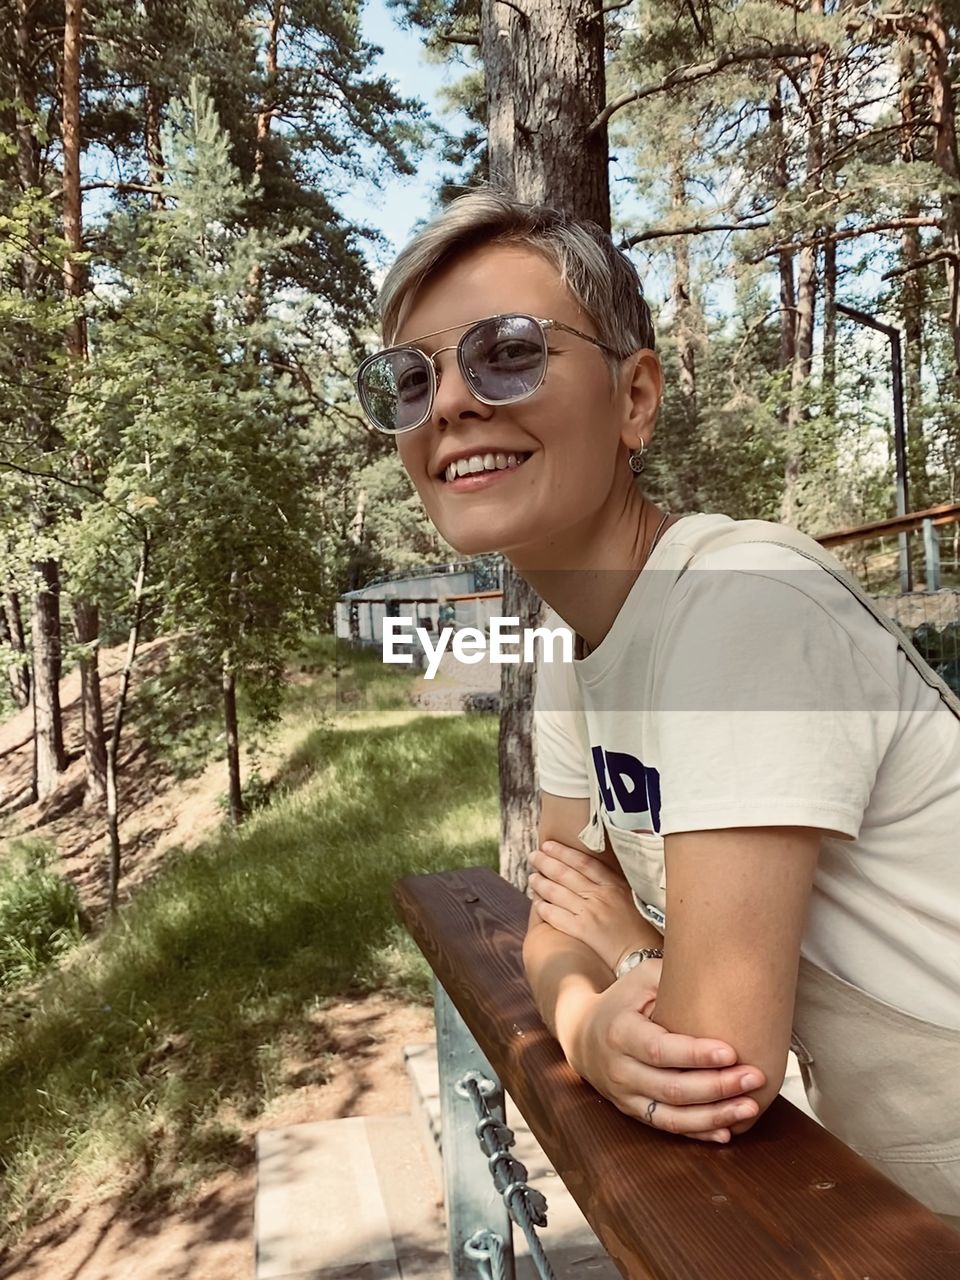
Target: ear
x,y
640,389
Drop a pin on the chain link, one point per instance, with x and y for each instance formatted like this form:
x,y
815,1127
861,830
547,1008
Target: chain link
x,y
526,1206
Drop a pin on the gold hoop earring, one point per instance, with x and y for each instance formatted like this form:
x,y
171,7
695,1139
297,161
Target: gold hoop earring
x,y
636,458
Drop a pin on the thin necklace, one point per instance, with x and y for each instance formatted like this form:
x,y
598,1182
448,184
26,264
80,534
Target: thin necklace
x,y
581,644
656,536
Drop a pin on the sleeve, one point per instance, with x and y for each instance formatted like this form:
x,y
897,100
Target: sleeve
x,y
560,733
768,711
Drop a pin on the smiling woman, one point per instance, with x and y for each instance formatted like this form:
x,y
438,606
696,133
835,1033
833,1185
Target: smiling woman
x,y
750,782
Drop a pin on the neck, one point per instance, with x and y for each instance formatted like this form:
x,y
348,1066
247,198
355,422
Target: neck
x,y
599,567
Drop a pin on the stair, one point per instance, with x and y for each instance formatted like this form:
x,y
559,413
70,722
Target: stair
x,y
362,1197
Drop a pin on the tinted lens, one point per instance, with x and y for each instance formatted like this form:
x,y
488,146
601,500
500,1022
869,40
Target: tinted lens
x,y
504,358
395,389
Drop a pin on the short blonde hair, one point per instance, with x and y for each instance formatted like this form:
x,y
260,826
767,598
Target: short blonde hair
x,y
600,277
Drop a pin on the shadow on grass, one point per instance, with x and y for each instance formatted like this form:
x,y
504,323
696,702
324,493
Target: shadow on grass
x,y
219,972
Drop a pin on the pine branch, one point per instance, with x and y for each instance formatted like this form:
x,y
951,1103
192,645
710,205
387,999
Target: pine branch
x,y
922,262
458,37
701,70
852,233
123,187
694,229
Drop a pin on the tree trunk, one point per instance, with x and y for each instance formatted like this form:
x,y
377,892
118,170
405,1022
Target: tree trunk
x,y
19,671
86,617
788,296
806,311
233,738
113,742
684,328
86,625
264,120
912,299
943,120
49,759
545,84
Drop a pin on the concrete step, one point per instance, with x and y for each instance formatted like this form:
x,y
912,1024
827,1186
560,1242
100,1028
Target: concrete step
x,y
347,1198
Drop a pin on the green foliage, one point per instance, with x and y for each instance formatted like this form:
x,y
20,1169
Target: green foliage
x,y
193,1006
40,917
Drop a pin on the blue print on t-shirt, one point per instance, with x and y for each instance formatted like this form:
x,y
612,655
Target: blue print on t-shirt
x,y
629,789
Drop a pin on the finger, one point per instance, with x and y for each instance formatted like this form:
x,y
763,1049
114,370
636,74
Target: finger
x,y
560,895
713,1135
688,1120
650,1043
576,860
566,921
690,1088
563,873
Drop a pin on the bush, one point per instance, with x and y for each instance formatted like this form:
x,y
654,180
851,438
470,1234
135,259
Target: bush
x,y
40,914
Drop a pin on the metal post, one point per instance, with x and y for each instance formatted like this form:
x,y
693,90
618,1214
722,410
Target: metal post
x,y
899,432
471,1199
931,554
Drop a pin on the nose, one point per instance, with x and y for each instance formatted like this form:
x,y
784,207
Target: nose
x,y
454,400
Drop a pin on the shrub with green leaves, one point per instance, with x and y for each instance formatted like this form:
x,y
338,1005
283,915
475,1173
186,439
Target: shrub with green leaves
x,y
40,915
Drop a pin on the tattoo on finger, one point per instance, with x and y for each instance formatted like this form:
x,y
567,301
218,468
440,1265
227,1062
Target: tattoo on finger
x,y
650,1110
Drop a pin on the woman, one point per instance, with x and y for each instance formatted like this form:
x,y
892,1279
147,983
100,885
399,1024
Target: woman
x,y
741,747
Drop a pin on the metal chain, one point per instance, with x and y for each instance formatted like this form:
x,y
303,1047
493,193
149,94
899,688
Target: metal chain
x,y
525,1205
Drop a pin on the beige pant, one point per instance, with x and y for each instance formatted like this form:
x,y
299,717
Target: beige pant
x,y
886,1083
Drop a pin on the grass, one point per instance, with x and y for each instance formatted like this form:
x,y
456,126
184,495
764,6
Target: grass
x,y
143,1052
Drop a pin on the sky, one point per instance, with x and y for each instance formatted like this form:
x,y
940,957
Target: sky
x,y
400,203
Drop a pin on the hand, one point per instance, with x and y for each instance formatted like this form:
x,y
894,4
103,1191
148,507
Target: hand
x,y
682,1084
583,898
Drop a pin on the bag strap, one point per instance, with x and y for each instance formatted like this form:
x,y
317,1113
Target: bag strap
x,y
743,532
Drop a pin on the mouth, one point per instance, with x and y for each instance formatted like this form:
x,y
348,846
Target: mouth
x,y
476,464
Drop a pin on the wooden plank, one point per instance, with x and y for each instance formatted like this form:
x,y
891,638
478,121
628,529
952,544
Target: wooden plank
x,y
785,1202
946,513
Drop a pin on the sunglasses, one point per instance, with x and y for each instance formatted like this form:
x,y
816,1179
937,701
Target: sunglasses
x,y
502,359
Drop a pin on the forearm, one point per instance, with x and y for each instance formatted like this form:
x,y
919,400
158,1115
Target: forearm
x,y
565,974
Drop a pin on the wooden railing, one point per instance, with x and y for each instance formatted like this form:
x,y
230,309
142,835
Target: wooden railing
x,y
786,1201
930,521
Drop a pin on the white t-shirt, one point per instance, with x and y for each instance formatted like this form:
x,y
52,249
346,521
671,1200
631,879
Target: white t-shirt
x,y
756,690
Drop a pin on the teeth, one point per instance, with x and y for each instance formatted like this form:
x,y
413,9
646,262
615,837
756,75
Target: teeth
x,y
484,462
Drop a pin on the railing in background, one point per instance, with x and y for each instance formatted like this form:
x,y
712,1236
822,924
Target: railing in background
x,y
895,568
787,1201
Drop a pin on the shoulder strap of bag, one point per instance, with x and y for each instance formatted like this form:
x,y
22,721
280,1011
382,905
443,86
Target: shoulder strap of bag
x,y
742,532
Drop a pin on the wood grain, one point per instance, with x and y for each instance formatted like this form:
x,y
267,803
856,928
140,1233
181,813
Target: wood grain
x,y
786,1201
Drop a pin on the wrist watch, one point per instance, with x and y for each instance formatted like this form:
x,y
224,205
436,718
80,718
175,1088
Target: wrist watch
x,y
633,958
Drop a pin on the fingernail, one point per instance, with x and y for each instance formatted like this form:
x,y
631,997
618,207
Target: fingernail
x,y
750,1081
721,1057
744,1110
723,1135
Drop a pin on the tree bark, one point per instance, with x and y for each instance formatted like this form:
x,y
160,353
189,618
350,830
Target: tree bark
x,y
545,82
912,297
788,296
233,738
113,742
264,121
807,285
943,120
684,327
19,671
86,625
86,617
49,759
